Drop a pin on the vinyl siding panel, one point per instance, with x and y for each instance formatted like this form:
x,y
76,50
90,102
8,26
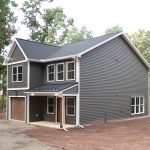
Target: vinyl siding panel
x,y
17,55
22,84
36,74
110,75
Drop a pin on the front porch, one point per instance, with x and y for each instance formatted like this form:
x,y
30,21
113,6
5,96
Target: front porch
x,y
51,124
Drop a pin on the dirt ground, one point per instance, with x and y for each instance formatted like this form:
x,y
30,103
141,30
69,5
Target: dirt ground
x,y
11,140
122,135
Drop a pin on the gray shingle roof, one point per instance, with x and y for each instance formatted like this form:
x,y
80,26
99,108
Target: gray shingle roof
x,y
36,50
53,87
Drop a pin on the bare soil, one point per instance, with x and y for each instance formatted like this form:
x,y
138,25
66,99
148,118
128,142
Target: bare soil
x,y
121,135
2,115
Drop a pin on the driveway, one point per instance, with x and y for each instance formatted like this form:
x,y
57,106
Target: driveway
x,y
10,139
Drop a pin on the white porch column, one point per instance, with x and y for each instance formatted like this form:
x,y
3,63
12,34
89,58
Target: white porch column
x,y
28,107
63,111
77,110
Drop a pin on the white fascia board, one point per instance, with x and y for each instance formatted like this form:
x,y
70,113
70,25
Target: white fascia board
x,y
17,62
69,88
11,89
43,93
136,51
99,44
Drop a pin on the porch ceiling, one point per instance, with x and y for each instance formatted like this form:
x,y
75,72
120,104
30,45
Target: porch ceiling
x,y
53,87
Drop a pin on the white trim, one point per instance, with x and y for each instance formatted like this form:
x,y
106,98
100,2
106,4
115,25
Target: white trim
x,y
71,70
51,105
56,109
63,111
148,95
57,71
77,110
51,73
69,88
17,74
70,95
24,88
136,51
72,106
77,69
7,101
95,46
138,105
9,117
17,62
28,75
21,49
28,109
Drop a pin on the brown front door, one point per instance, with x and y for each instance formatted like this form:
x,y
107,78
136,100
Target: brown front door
x,y
59,110
18,108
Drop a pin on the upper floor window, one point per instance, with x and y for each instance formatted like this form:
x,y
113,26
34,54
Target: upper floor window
x,y
50,72
17,74
60,72
137,105
70,70
50,105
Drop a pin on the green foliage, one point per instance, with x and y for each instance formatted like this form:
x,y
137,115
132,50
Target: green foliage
x,y
114,29
141,40
2,101
7,20
53,26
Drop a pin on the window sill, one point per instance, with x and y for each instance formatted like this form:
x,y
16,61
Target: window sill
x,y
137,114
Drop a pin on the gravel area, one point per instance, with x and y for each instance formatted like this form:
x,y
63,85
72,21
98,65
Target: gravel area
x,y
11,140
120,135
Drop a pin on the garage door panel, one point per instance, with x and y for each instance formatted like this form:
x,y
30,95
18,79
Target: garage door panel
x,y
18,108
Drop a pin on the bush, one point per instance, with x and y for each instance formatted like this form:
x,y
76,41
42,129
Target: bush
x,y
2,101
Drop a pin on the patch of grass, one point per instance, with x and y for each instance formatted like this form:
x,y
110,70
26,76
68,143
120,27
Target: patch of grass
x,y
2,101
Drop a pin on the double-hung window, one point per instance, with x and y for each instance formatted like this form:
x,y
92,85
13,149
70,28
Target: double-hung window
x,y
50,72
70,70
137,105
70,106
50,105
17,74
60,72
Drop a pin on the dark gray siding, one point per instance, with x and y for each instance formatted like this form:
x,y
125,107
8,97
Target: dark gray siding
x,y
36,74
73,90
17,55
70,119
18,84
110,75
45,71
38,109
16,93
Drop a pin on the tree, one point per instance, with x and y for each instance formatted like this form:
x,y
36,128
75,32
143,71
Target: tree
x,y
53,26
113,30
7,20
141,40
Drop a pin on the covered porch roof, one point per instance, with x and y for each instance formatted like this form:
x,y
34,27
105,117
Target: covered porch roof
x,y
51,89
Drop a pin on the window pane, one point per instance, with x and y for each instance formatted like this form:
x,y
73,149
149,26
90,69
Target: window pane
x,y
51,77
70,66
71,75
19,77
51,69
60,76
133,101
141,108
137,109
51,109
132,109
20,69
14,77
14,70
141,100
70,101
70,111
137,100
51,101
60,67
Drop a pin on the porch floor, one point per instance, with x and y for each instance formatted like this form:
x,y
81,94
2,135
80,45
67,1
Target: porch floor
x,y
51,124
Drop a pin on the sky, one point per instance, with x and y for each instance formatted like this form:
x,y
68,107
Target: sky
x,y
98,15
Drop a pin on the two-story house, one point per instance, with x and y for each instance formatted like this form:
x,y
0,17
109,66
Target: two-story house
x,y
91,80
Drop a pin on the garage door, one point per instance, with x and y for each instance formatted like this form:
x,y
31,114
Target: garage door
x,y
18,108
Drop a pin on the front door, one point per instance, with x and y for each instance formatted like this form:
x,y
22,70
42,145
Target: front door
x,y
59,110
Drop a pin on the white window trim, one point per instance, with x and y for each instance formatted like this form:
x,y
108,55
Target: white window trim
x,y
17,73
49,73
48,105
66,106
139,103
57,71
71,70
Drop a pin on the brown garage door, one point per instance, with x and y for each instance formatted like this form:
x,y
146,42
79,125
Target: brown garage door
x,y
18,108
